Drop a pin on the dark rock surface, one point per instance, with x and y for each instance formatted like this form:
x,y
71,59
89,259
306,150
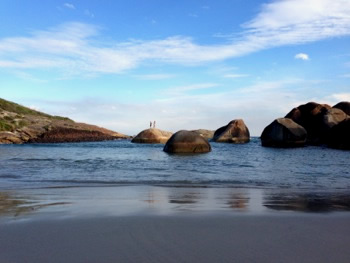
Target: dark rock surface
x,y
283,132
234,132
187,142
59,135
339,135
310,116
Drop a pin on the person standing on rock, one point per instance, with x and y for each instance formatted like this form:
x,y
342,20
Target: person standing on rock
x,y
150,124
154,124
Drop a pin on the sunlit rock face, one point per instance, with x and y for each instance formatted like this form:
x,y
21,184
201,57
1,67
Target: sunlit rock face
x,y
234,132
152,135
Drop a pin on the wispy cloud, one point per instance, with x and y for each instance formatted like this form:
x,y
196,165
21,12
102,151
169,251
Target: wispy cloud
x,y
235,76
302,56
155,76
184,89
68,5
74,47
89,13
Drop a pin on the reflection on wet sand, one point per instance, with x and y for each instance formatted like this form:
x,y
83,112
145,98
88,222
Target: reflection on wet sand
x,y
124,200
12,205
239,201
306,202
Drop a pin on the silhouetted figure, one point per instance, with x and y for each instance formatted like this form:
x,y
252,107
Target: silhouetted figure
x,y
154,124
150,124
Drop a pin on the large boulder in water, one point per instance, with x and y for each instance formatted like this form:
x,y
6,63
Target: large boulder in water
x,y
187,142
234,132
152,135
283,132
339,135
310,116
344,106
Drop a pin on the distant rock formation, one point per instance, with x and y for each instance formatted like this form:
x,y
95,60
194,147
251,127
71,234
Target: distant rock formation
x,y
283,132
152,135
207,134
234,132
187,142
20,124
59,135
324,125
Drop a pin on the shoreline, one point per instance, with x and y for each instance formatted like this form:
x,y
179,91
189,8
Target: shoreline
x,y
165,224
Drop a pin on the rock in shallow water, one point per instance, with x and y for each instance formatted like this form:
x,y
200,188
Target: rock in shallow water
x,y
339,135
234,132
283,132
187,142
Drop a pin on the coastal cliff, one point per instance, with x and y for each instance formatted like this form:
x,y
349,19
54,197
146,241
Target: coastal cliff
x,y
19,124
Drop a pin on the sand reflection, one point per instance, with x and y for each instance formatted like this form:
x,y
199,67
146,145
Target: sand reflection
x,y
308,202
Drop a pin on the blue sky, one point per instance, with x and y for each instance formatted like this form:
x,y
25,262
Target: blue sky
x,y
185,64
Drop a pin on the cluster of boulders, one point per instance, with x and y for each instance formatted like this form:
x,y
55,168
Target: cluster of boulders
x,y
311,123
196,141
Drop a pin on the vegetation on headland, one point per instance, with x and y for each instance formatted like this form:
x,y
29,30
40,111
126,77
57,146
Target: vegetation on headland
x,y
19,124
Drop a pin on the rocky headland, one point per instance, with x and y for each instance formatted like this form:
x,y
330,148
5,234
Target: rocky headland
x,y
19,124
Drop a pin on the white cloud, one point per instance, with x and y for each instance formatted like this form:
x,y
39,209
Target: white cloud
x,y
302,56
155,76
235,76
74,47
68,5
341,97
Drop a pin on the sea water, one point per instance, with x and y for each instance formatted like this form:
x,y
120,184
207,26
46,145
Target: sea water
x,y
122,162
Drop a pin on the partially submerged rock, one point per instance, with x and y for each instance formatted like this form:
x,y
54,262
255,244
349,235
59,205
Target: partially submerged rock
x,y
339,135
207,134
187,142
283,132
234,132
152,135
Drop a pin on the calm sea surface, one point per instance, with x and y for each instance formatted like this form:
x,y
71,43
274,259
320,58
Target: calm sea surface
x,y
122,162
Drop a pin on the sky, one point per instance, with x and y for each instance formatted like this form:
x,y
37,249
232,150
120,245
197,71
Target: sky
x,y
187,64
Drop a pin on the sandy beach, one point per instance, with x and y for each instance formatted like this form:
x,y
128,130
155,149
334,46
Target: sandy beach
x,y
164,224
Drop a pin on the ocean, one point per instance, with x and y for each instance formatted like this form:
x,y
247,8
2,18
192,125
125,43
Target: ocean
x,y
122,162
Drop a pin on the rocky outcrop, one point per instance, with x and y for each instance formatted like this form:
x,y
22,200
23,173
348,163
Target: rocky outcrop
x,y
339,135
207,134
283,132
310,116
234,132
344,106
187,142
152,135
59,135
19,124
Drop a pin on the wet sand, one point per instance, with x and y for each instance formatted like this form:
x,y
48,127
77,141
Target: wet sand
x,y
159,224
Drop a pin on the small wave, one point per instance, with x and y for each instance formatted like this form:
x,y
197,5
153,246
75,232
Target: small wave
x,y
10,176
